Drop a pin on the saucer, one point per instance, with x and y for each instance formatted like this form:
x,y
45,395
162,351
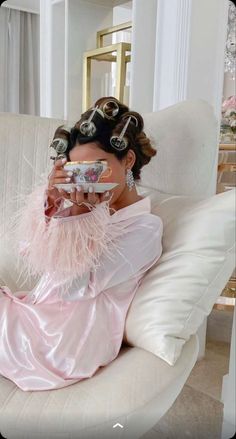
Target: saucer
x,y
98,187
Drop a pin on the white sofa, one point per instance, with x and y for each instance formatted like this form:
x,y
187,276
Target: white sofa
x,y
138,387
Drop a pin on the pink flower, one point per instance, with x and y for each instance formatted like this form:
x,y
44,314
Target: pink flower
x,y
229,103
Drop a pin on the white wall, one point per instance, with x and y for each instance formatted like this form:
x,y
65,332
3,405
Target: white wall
x,y
122,14
68,29
58,54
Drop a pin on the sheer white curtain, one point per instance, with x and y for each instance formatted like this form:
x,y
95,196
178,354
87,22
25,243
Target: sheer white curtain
x,y
19,62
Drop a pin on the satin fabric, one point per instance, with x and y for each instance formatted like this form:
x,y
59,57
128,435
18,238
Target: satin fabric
x,y
49,341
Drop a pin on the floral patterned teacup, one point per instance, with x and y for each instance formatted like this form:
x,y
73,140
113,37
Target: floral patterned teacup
x,y
88,171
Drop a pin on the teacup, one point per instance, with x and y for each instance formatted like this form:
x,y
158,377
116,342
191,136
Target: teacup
x,y
88,171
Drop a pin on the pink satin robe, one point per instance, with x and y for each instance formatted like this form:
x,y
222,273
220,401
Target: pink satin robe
x,y
47,343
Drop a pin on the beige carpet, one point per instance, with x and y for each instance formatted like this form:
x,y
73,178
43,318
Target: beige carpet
x,y
197,413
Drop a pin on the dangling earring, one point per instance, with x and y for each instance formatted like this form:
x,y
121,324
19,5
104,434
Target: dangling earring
x,y
129,179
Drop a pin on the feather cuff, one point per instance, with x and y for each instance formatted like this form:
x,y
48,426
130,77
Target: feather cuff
x,y
66,246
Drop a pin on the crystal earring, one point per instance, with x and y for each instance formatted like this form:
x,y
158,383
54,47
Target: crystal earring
x,y
129,179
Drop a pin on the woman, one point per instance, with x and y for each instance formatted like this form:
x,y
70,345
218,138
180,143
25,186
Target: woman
x,y
91,251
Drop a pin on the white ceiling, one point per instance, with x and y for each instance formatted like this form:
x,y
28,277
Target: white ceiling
x,y
23,5
125,3
34,5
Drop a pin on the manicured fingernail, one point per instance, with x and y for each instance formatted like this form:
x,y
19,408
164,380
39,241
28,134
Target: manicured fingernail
x,y
72,190
70,173
68,179
79,188
90,189
63,160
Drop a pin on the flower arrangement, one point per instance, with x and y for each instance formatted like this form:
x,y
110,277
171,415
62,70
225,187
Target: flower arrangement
x,y
228,121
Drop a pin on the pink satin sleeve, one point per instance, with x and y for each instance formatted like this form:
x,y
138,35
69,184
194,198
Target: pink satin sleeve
x,y
127,261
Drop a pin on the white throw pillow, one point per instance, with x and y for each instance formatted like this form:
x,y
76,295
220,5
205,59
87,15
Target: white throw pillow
x,y
177,293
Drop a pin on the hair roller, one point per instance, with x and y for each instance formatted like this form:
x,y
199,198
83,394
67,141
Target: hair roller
x,y
60,141
136,120
89,124
111,108
120,141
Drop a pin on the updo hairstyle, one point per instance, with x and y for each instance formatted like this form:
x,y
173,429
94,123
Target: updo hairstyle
x,y
109,120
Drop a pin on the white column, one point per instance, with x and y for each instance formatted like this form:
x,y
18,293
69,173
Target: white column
x,y
45,58
207,48
143,55
178,52
172,52
53,58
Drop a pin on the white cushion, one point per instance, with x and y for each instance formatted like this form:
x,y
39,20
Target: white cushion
x,y
185,137
122,391
180,290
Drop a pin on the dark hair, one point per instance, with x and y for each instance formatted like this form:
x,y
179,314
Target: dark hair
x,y
107,127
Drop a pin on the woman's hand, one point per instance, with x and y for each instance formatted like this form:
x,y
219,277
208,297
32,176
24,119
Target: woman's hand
x,y
58,175
77,197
